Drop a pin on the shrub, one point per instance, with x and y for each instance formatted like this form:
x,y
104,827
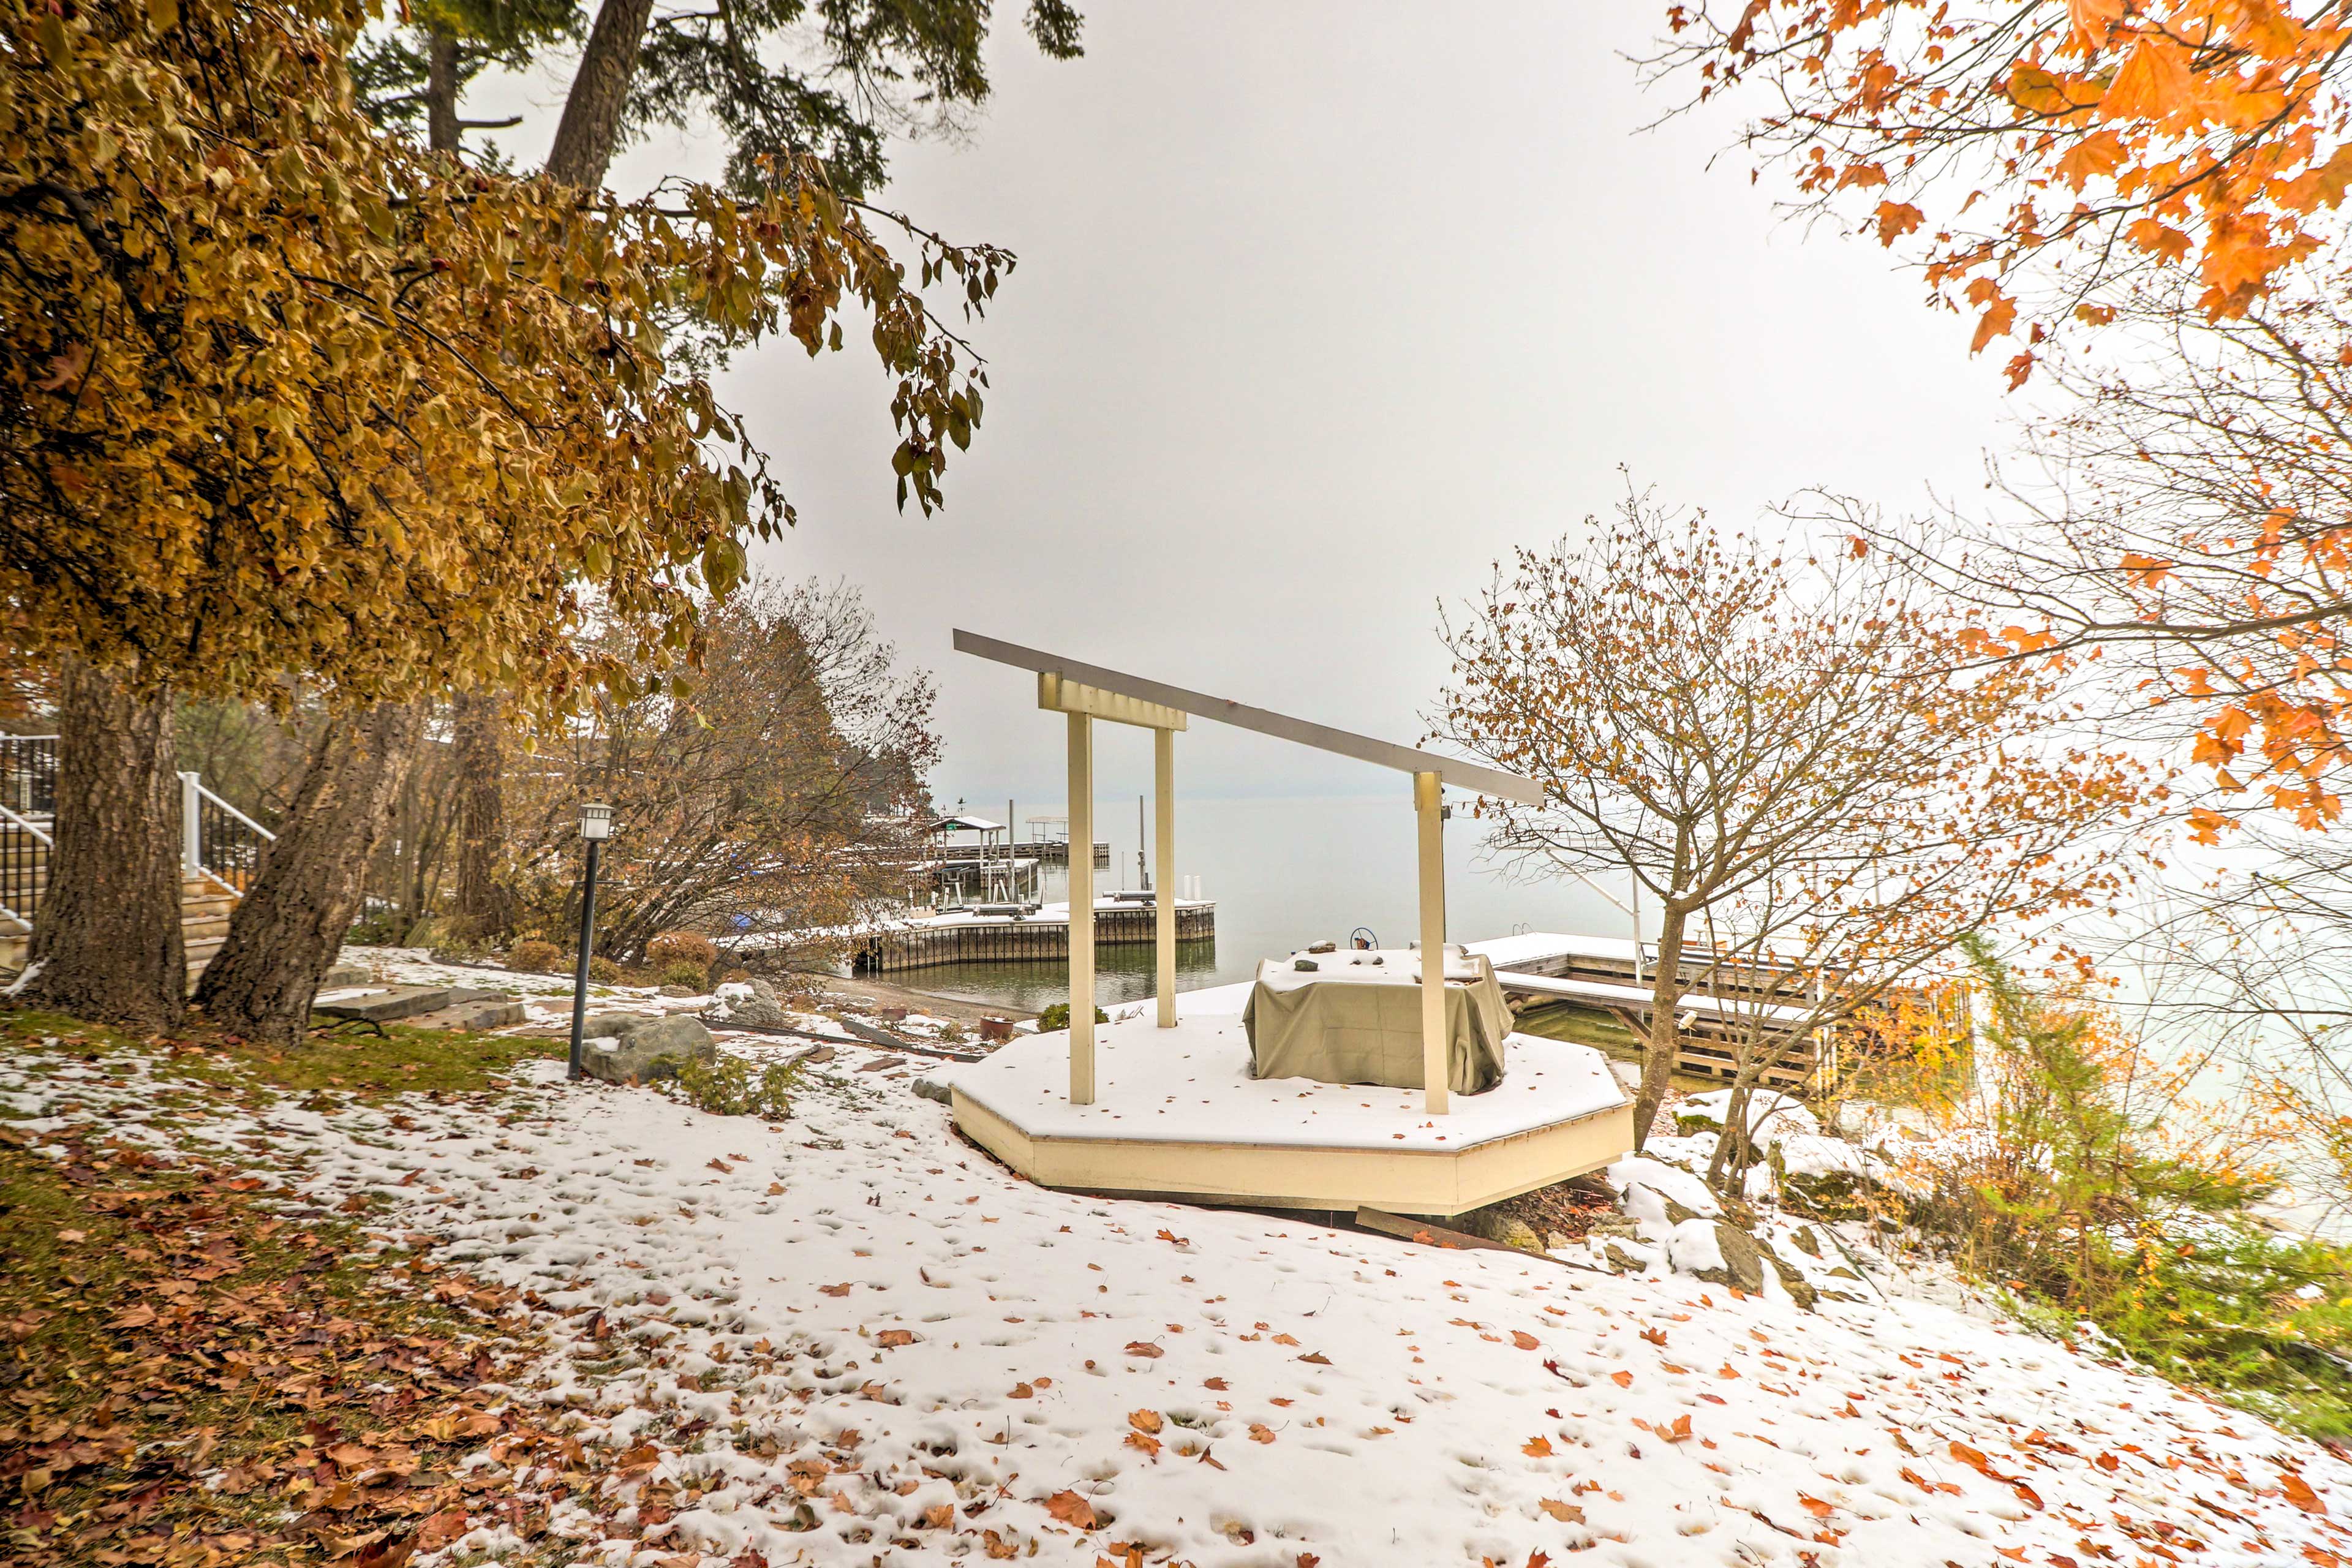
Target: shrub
x,y
2087,1183
673,948
384,928
603,970
1057,1017
535,957
730,1087
690,975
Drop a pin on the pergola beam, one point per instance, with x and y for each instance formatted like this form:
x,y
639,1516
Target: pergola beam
x,y
1060,695
1241,715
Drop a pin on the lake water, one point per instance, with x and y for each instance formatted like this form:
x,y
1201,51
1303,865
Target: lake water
x,y
1284,874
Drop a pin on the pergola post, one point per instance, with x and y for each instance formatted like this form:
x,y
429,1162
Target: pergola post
x,y
1163,874
1082,909
1428,803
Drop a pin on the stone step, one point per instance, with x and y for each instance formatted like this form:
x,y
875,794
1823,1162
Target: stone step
x,y
495,1013
450,1006
384,1004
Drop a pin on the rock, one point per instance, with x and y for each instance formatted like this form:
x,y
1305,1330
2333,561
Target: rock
x,y
750,1003
1507,1229
1743,1255
1792,1280
931,1089
614,1026
1834,1195
1620,1261
678,991
650,1049
1806,1241
343,976
495,1015
1676,1213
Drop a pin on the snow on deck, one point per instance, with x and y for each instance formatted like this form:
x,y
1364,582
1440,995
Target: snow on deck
x,y
1191,1084
1641,998
1530,947
946,1358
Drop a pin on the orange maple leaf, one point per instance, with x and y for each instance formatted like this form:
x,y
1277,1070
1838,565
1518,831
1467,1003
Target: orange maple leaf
x,y
2154,82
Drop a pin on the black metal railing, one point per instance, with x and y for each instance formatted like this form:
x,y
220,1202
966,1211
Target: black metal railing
x,y
229,843
28,775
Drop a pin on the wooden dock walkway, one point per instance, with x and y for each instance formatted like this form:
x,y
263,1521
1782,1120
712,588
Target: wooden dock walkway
x,y
1044,851
1030,937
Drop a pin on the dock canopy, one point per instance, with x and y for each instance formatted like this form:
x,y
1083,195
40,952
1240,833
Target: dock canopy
x,y
964,824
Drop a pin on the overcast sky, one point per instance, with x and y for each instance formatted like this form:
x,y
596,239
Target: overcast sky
x,y
1321,309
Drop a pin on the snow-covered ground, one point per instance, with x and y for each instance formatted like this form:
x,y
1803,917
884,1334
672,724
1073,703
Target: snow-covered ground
x,y
848,1338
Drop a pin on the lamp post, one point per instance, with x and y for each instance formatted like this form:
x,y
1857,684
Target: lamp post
x,y
596,827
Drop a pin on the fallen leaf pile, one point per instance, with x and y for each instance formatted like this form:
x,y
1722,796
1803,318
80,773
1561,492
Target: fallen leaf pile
x,y
188,1377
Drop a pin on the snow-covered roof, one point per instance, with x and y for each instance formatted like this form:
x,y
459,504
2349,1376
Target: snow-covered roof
x,y
965,825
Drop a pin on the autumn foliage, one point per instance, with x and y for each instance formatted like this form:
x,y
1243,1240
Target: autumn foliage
x,y
2171,174
283,399
2087,140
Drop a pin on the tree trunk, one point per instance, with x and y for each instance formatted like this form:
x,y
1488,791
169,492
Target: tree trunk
x,y
284,937
1734,1151
479,742
1666,1000
106,934
441,131
591,127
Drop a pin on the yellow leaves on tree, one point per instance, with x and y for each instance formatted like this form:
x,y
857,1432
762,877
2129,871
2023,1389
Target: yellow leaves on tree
x,y
289,402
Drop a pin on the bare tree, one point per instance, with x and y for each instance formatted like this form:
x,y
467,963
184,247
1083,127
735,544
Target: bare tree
x,y
1787,755
781,796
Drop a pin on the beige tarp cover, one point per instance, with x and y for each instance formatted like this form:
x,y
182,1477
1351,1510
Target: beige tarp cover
x,y
1351,1020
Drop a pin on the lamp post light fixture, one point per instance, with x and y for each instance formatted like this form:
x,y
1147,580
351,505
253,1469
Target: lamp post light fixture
x,y
596,827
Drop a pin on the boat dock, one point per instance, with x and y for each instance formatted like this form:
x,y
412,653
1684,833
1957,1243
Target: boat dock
x,y
1044,851
1725,1002
964,936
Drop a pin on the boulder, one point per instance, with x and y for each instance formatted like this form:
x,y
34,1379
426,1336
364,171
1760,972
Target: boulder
x,y
751,1003
1792,1280
1507,1229
931,1089
1720,1254
649,1050
343,976
1620,1261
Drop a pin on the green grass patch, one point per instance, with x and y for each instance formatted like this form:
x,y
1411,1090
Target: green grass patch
x,y
355,1062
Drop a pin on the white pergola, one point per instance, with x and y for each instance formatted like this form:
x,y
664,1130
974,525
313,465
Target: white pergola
x,y
1085,693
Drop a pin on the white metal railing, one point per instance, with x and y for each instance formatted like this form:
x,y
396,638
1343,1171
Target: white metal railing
x,y
217,841
22,867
